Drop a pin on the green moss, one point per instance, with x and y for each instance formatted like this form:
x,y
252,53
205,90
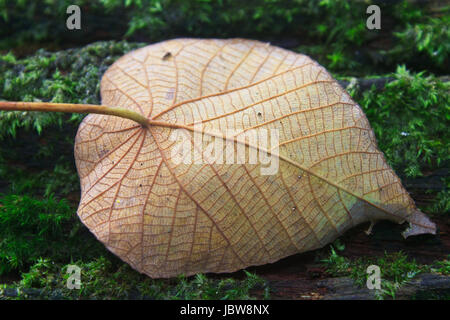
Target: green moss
x,y
442,267
441,202
41,237
28,160
32,228
333,31
103,279
427,41
410,118
396,269
66,76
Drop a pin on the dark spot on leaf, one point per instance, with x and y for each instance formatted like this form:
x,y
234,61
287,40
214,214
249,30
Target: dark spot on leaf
x,y
167,56
102,153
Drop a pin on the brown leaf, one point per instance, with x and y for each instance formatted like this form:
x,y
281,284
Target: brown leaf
x,y
165,218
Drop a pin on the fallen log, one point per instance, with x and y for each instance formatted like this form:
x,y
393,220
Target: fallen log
x,y
427,285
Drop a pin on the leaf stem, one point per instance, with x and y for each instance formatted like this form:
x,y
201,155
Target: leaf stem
x,y
74,108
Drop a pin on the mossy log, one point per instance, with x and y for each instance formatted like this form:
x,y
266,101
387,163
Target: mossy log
x,y
303,277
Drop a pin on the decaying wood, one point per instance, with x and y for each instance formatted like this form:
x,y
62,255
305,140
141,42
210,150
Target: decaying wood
x,y
423,285
302,276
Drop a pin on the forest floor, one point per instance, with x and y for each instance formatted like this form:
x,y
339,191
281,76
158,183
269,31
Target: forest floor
x,y
41,234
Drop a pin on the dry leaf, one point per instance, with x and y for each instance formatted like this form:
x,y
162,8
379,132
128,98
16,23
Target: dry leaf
x,y
165,218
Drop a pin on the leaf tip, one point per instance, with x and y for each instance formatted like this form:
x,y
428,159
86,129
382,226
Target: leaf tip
x,y
419,223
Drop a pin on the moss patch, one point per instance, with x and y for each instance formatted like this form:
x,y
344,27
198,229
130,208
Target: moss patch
x,y
396,269
103,279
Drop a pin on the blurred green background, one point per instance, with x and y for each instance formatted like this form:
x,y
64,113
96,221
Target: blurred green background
x,y
334,32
